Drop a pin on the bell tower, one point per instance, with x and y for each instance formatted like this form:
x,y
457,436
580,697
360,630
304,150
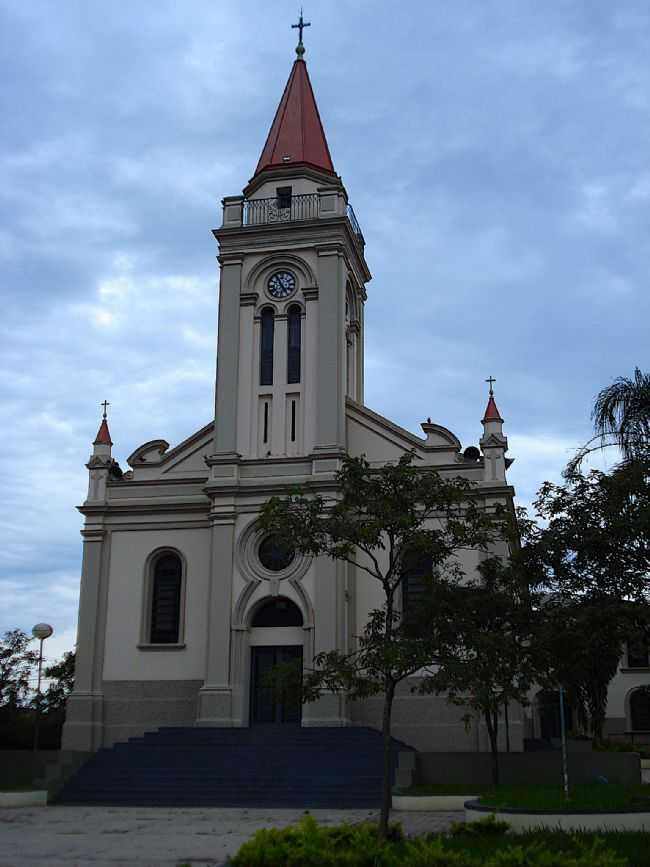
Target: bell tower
x,y
292,293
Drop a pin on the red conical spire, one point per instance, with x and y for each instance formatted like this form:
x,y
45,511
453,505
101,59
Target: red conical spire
x,y
491,411
103,437
296,134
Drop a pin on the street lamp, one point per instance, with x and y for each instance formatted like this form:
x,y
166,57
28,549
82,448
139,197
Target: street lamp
x,y
40,631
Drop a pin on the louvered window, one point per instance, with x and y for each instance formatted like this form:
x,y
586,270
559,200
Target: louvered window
x,y
293,344
266,347
166,599
416,577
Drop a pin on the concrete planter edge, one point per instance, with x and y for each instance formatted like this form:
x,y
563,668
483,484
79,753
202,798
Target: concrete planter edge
x,y
37,798
430,803
526,820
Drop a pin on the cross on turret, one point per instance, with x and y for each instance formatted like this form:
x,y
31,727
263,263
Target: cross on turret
x,y
491,380
300,26
105,404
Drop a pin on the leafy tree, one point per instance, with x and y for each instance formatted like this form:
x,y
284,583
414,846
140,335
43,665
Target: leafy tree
x,y
16,664
592,558
374,520
61,676
583,640
491,657
621,417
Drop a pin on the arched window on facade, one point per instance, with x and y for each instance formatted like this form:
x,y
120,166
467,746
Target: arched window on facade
x,y
278,612
294,340
166,584
416,575
266,346
640,710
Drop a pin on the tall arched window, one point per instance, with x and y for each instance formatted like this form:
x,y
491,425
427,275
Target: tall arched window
x,y
294,338
640,710
266,346
166,599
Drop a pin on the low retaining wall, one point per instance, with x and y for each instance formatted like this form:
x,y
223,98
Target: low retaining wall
x,y
22,767
431,803
517,769
525,820
23,799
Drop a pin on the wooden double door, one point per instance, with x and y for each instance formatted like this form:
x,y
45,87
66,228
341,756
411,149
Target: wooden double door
x,y
269,704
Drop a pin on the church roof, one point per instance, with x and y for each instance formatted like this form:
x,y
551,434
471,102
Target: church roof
x,y
296,134
103,437
491,411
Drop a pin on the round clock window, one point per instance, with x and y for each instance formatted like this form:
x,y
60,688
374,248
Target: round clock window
x,y
281,284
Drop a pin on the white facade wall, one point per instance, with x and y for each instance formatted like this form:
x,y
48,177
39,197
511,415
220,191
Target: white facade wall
x,y
126,656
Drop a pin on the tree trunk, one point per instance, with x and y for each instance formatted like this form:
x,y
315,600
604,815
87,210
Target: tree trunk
x,y
492,723
386,794
506,719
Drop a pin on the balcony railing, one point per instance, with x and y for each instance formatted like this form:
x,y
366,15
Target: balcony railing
x,y
277,210
356,228
257,212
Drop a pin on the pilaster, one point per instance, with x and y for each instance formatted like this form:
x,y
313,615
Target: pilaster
x,y
83,728
330,387
228,354
215,696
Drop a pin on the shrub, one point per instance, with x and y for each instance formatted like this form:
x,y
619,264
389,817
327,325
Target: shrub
x,y
308,845
489,825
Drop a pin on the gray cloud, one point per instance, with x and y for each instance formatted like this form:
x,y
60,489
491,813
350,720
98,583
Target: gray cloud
x,y
495,154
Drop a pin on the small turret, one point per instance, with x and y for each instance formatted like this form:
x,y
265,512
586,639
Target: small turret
x,y
494,444
100,462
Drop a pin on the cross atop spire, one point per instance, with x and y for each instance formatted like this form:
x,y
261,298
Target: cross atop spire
x,y
300,48
491,411
103,437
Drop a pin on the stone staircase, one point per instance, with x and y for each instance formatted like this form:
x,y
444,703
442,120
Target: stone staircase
x,y
274,766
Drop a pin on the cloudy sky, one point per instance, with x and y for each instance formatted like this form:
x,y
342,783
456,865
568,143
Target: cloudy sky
x,y
496,154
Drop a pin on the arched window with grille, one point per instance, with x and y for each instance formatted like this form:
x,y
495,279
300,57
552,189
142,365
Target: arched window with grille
x,y
266,346
294,341
640,710
165,599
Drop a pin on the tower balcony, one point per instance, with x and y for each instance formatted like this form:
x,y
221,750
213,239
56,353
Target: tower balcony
x,y
328,202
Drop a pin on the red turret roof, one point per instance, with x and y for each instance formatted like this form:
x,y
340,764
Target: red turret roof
x,y
491,411
103,437
296,134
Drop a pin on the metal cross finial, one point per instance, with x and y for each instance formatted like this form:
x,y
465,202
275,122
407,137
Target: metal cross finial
x,y
300,49
491,380
105,404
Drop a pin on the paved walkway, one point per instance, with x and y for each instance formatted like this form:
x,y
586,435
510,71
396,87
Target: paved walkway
x,y
156,837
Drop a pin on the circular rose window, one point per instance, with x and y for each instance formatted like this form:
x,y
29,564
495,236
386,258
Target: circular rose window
x,y
275,556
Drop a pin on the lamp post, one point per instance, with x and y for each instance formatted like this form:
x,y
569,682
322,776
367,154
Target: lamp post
x,y
565,763
40,631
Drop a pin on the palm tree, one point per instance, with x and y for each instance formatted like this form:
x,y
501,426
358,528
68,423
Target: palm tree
x,y
621,417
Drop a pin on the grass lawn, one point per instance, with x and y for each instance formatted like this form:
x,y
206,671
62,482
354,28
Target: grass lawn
x,y
605,796
629,844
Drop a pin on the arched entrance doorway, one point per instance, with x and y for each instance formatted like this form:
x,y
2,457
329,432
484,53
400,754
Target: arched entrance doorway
x,y
275,623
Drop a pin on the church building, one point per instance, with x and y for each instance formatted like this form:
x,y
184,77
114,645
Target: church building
x,y
185,602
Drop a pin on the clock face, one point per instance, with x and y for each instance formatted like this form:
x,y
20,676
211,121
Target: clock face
x,y
281,284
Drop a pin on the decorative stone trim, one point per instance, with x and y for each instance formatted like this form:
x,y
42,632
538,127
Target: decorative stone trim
x,y
178,646
250,564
